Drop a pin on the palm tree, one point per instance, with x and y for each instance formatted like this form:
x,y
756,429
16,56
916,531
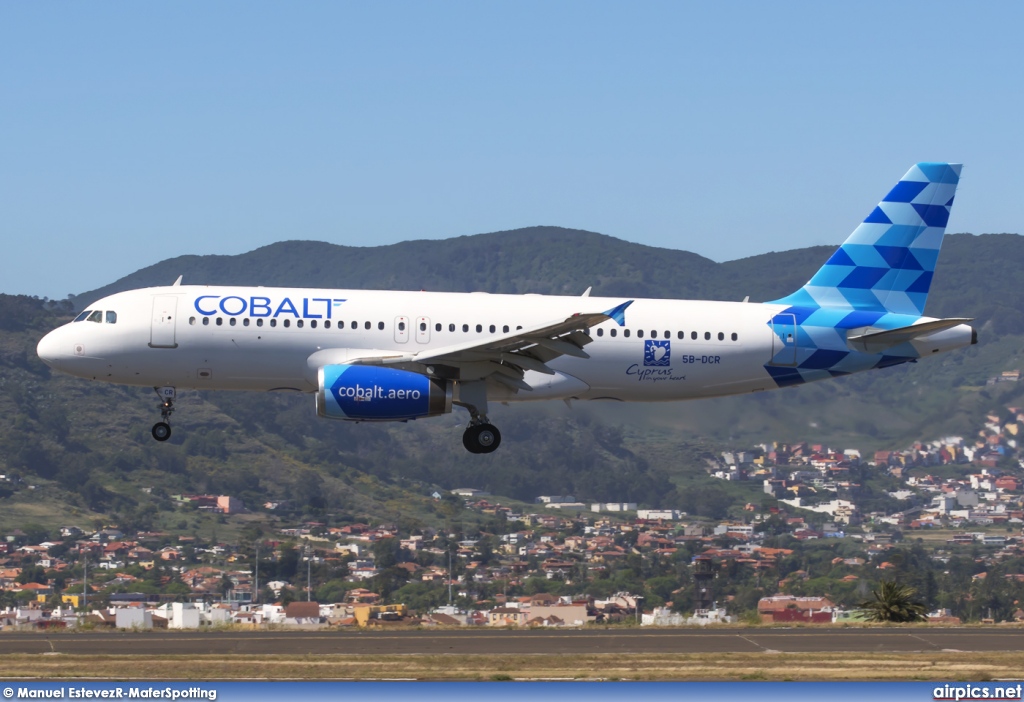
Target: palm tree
x,y
893,603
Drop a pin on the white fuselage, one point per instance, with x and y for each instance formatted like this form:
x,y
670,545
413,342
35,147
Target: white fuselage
x,y
255,338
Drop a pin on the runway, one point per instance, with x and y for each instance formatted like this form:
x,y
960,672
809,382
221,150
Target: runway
x,y
502,642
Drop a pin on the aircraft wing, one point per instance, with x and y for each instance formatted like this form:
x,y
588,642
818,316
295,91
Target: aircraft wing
x,y
506,356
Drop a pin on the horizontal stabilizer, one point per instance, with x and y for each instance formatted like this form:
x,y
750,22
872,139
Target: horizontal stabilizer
x,y
880,340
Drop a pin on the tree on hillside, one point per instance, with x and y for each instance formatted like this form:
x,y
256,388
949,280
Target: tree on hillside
x,y
892,602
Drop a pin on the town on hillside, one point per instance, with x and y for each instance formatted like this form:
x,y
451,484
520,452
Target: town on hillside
x,y
821,528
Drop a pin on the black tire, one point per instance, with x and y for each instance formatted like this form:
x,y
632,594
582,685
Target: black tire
x,y
469,440
488,438
161,431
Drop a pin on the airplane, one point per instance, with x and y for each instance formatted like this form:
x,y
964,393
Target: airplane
x,y
396,356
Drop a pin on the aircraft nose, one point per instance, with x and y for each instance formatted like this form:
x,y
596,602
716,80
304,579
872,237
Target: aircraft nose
x,y
48,349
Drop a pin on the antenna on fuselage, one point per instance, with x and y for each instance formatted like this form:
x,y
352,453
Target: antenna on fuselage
x,y
177,282
586,293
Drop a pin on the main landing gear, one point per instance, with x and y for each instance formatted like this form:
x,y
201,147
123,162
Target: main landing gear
x,y
162,429
481,438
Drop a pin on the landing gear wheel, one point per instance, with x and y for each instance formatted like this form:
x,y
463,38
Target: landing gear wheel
x,y
481,438
161,431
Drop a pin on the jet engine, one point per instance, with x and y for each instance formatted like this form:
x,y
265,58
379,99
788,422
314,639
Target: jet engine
x,y
372,393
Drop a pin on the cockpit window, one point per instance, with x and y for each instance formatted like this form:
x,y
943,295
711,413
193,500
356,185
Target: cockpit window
x,y
82,316
96,316
111,317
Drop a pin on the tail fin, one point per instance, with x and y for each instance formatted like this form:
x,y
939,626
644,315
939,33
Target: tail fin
x,y
887,263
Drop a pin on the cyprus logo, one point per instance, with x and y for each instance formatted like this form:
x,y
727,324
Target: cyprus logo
x,y
657,353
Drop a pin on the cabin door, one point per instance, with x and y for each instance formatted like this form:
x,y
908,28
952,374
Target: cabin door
x,y
784,344
161,334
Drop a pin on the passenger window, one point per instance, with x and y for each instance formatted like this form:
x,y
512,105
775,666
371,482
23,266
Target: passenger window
x,y
111,317
451,327
640,333
273,322
192,321
465,327
220,321
600,332
614,332
668,335
681,335
423,326
625,332
354,325
519,327
654,334
504,329
299,324
245,322
492,328
232,321
479,328
734,337
693,335
721,336
287,323
366,325
380,325
312,325
259,322
437,327
83,316
206,321
96,316
707,336
401,326
327,324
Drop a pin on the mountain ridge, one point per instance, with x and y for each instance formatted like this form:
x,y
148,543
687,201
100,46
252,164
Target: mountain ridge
x,y
310,263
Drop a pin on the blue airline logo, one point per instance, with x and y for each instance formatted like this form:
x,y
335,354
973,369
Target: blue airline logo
x,y
657,353
368,392
259,306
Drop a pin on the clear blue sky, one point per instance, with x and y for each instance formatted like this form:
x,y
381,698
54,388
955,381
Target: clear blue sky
x,y
133,132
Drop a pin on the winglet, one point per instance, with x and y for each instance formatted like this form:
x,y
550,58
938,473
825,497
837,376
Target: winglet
x,y
618,313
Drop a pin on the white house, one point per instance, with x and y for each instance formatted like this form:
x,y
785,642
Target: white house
x,y
133,618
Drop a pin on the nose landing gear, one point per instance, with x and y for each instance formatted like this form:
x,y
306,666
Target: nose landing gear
x,y
162,429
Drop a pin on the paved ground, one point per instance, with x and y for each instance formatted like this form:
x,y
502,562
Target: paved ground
x,y
518,642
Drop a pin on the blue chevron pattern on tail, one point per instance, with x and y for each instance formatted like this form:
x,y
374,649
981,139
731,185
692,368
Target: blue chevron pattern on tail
x,y
880,278
887,263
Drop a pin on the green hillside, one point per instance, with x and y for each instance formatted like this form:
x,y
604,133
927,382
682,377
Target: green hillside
x,y
86,447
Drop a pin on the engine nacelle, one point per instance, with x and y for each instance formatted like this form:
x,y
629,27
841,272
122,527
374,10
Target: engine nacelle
x,y
372,393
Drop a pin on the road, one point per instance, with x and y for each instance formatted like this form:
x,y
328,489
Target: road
x,y
587,641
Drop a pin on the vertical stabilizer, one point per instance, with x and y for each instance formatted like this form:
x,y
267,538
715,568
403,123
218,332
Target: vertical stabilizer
x,y
887,263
